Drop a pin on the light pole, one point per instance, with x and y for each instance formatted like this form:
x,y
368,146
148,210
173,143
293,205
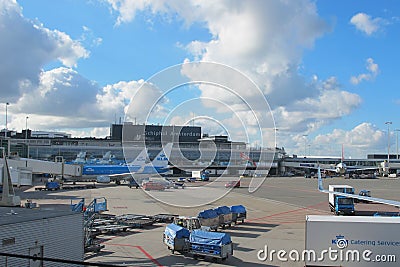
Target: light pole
x,y
26,127
305,144
388,125
5,135
276,137
397,143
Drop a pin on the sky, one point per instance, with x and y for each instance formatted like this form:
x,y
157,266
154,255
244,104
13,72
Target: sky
x,y
318,74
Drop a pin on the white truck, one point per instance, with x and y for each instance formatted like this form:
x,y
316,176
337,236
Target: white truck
x,y
340,204
351,241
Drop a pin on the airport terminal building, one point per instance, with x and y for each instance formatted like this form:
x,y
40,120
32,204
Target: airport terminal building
x,y
192,149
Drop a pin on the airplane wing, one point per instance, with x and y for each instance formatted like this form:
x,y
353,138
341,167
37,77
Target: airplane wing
x,y
352,169
372,199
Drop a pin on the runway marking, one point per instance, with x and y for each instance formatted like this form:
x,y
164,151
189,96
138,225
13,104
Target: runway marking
x,y
290,216
141,250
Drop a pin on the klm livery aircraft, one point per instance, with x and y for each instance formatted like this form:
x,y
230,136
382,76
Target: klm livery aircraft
x,y
140,165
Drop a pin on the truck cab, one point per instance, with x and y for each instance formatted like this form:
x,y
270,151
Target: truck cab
x,y
341,204
205,176
344,205
190,223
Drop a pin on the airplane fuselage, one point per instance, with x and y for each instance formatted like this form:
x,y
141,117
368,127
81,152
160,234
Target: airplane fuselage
x,y
120,169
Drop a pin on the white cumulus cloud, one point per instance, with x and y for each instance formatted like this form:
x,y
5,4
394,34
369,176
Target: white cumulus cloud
x,y
27,46
373,70
365,23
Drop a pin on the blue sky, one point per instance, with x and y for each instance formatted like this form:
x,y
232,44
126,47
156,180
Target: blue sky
x,y
328,69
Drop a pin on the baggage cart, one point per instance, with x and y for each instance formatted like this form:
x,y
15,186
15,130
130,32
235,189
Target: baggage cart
x,y
225,216
209,218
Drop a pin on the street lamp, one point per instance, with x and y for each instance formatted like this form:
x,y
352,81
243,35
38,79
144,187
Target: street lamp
x,y
388,125
5,135
397,143
26,127
276,137
305,144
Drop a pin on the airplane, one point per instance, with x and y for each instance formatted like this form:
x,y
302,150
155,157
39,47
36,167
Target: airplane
x,y
141,165
341,168
365,198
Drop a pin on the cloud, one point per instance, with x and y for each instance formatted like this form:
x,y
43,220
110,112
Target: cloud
x,y
266,41
88,37
27,46
63,99
365,138
373,70
365,23
362,139
60,92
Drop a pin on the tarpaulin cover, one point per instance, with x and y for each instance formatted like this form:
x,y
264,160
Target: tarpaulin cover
x,y
238,209
207,214
223,210
174,230
209,238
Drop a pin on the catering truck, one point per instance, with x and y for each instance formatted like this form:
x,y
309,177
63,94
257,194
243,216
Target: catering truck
x,y
351,241
201,175
341,204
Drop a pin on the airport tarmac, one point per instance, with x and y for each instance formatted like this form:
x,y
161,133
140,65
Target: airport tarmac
x,y
275,217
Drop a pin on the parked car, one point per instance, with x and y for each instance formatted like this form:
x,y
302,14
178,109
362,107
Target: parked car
x,y
364,193
232,184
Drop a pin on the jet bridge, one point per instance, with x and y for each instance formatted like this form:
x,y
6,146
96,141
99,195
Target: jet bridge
x,y
41,167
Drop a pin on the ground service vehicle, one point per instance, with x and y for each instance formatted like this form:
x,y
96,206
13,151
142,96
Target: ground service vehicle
x,y
341,204
190,223
153,186
133,183
232,184
198,243
239,213
351,241
49,186
201,175
363,193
